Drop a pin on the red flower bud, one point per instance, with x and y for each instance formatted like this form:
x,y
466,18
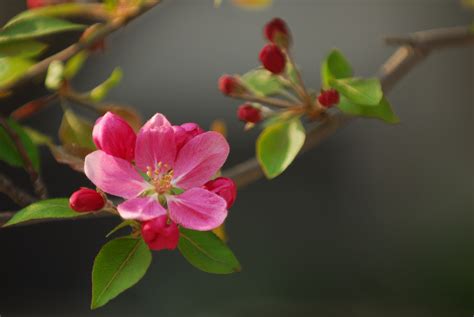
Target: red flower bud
x,y
230,85
31,4
277,32
160,234
328,98
86,199
273,58
224,187
249,113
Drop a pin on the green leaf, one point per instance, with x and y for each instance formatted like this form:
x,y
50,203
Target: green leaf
x,y
278,145
101,91
123,224
262,82
76,131
11,68
37,27
120,264
24,49
55,75
205,251
74,64
64,10
335,66
359,90
55,208
9,152
382,111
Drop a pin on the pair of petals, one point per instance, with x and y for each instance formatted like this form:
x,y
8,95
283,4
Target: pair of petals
x,y
197,208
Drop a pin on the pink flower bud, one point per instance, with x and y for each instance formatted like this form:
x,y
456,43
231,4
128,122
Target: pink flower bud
x,y
277,32
272,58
328,98
230,85
160,233
224,187
86,199
249,113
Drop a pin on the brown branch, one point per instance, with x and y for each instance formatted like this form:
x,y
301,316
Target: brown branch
x,y
101,32
36,181
396,67
17,195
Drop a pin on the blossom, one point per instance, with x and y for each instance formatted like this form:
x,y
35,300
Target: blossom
x,y
276,31
165,177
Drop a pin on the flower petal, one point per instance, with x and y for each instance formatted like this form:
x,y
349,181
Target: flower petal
x,y
197,209
158,120
114,175
154,145
141,208
199,159
114,136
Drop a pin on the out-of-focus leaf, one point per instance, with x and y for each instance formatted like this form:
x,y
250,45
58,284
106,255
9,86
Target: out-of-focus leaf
x,y
11,68
64,10
335,66
74,64
221,233
252,4
55,208
129,114
262,82
75,134
205,251
55,75
120,264
101,91
360,91
23,49
36,27
382,111
9,152
63,157
278,145
219,126
37,137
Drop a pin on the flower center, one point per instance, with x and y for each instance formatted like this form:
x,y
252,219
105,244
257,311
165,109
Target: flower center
x,y
161,177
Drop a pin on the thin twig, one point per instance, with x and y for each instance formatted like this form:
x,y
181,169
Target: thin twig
x,y
275,102
101,32
396,67
36,181
17,195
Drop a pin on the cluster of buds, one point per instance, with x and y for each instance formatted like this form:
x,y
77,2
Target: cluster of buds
x,y
275,57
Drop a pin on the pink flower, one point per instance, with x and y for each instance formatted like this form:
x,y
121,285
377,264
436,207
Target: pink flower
x,y
166,174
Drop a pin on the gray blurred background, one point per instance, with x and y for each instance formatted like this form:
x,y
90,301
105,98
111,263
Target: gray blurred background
x,y
377,221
